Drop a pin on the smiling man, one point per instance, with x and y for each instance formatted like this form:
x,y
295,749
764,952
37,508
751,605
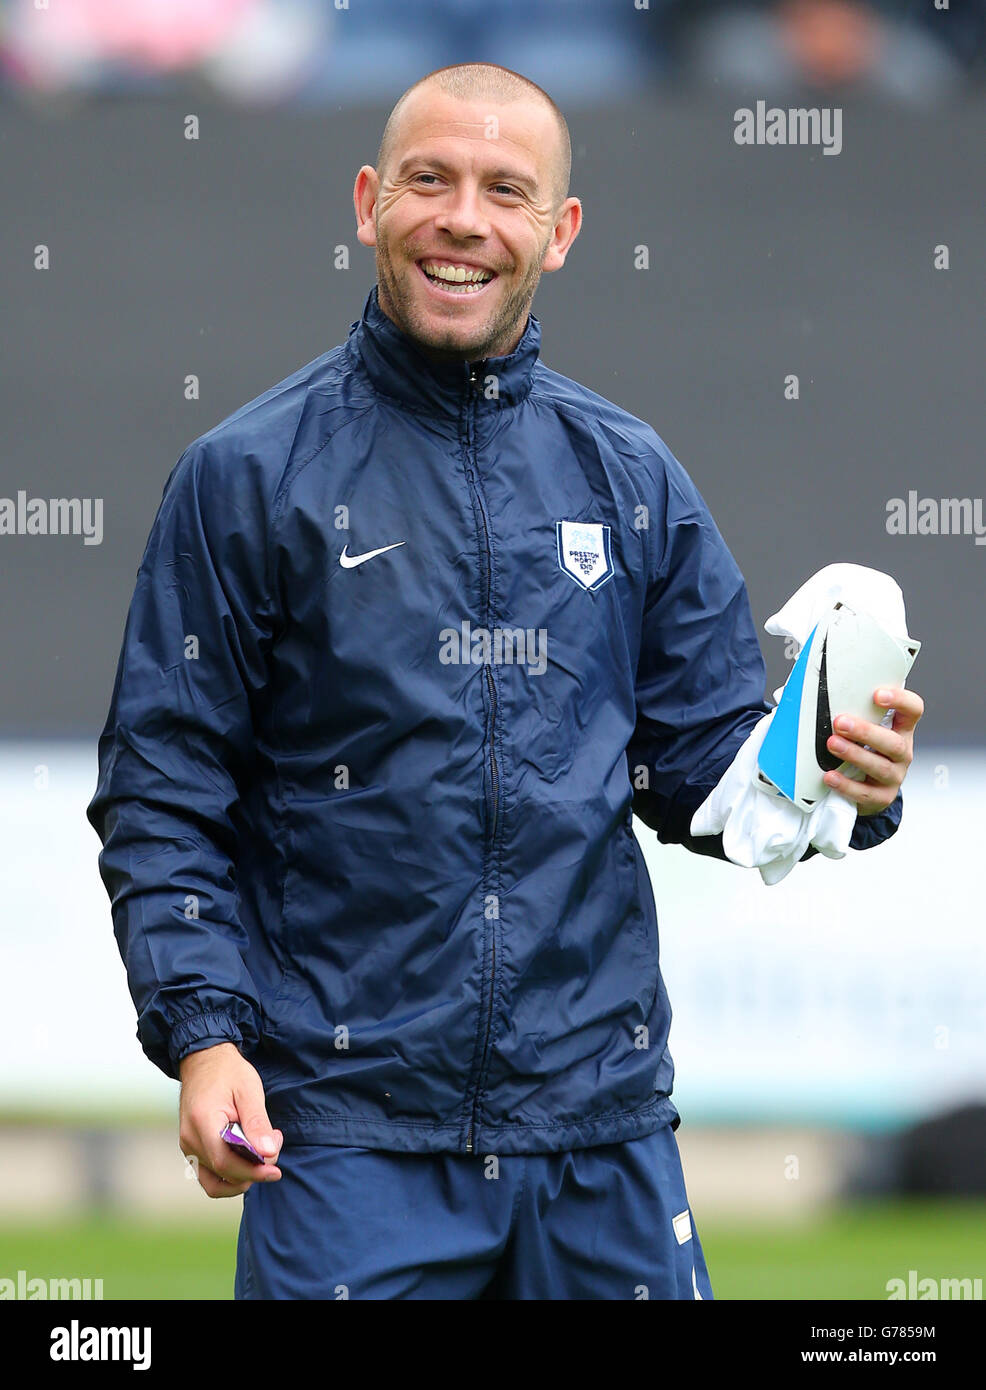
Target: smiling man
x,y
378,891
466,208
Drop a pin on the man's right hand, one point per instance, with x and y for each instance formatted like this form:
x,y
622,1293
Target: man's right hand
x,y
218,1086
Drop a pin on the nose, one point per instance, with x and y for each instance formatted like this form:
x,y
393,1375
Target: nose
x,y
461,215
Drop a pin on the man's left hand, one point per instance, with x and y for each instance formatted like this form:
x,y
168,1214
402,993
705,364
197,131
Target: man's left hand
x,y
888,756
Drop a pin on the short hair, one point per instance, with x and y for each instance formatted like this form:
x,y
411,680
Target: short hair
x,y
470,80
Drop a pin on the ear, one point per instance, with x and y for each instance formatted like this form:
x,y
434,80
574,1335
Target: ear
x,y
567,227
365,193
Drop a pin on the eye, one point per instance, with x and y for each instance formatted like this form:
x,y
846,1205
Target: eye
x,y
419,177
512,191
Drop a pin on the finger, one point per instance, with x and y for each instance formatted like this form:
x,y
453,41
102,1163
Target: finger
x,y
237,1169
875,765
230,1163
213,1185
885,752
251,1111
203,1138
908,705
869,797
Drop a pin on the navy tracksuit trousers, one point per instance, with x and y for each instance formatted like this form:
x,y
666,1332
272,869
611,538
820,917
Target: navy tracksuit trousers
x,y
605,1222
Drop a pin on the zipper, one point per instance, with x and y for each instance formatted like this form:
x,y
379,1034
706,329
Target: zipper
x,y
494,777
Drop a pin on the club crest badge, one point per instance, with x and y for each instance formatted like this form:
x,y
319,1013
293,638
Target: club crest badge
x,y
584,552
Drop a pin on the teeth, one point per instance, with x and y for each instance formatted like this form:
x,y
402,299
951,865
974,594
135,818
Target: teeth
x,y
455,275
462,289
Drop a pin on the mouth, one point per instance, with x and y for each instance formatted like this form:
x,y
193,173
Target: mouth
x,y
450,280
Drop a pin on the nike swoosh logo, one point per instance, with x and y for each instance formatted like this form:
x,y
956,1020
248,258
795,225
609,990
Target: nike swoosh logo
x,y
349,562
826,760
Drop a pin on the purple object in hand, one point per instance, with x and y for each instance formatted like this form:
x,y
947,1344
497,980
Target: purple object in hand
x,y
236,1139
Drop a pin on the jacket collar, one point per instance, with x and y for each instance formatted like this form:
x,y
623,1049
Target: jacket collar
x,y
397,367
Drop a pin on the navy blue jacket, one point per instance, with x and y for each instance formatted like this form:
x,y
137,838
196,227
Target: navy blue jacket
x,y
388,855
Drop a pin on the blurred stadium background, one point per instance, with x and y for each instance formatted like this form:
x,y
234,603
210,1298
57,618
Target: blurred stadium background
x,y
830,1032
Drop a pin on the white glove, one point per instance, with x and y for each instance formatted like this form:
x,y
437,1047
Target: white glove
x,y
760,828
763,830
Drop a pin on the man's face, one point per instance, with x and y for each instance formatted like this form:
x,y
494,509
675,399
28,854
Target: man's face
x,y
469,186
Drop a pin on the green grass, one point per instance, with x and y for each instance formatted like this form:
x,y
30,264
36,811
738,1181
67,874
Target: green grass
x,y
850,1253
134,1259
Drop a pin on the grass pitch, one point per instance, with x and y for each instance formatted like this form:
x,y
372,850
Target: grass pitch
x,y
850,1253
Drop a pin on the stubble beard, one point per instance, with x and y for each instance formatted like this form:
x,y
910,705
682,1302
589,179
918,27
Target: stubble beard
x,y
495,339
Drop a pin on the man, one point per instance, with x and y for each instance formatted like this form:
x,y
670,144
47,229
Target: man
x,y
403,626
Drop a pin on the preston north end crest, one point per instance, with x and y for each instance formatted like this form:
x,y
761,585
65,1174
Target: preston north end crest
x,y
584,552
